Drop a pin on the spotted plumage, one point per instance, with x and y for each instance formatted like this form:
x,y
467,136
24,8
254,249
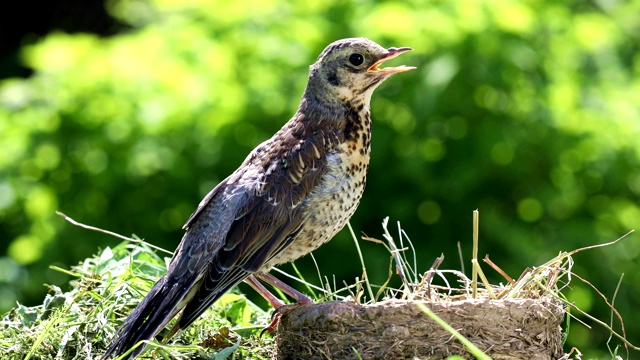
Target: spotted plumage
x,y
292,193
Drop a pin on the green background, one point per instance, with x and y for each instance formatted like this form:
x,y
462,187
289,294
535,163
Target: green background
x,y
526,110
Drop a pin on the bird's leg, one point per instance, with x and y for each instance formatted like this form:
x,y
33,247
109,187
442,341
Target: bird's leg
x,y
272,299
277,304
299,297
260,289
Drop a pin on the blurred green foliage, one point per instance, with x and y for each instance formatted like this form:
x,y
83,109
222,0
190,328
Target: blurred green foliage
x,y
526,110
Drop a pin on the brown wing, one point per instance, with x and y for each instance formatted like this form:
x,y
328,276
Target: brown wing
x,y
184,277
289,169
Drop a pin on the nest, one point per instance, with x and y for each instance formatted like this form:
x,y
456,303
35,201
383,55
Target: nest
x,y
518,321
398,329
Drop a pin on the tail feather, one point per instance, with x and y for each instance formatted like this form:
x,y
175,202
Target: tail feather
x,y
163,303
214,285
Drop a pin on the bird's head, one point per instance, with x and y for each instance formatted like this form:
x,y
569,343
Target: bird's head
x,y
350,69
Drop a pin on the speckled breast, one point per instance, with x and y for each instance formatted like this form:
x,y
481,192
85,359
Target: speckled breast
x,y
336,198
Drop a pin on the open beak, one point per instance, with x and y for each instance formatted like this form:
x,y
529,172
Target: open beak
x,y
393,52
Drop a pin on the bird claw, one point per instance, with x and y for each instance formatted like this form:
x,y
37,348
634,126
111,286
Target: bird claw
x,y
271,328
277,314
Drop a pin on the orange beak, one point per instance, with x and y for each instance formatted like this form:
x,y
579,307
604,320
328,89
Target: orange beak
x,y
393,52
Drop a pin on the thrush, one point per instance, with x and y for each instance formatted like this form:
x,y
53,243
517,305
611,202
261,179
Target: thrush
x,y
291,194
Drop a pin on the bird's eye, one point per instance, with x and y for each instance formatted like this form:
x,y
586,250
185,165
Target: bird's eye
x,y
356,59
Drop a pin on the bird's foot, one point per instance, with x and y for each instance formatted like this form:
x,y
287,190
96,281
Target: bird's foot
x,y
277,314
278,305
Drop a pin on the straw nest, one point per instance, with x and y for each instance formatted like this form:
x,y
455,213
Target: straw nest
x,y
503,329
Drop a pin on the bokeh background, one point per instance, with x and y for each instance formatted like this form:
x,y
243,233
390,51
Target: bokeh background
x,y
124,114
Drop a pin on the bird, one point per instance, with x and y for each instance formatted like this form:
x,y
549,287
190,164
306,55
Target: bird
x,y
290,195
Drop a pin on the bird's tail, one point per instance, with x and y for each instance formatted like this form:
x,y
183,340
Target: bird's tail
x,y
153,313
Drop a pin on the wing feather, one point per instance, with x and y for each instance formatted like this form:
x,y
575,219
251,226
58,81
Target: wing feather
x,y
271,218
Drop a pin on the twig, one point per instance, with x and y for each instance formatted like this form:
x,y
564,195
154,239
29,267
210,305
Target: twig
x,y
398,256
93,228
474,257
460,256
622,337
613,301
486,282
436,264
600,245
498,270
429,276
364,267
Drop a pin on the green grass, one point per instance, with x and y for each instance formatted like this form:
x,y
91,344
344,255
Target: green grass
x,y
78,324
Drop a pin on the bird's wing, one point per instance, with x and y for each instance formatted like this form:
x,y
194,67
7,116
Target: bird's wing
x,y
270,219
204,202
230,266
186,272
